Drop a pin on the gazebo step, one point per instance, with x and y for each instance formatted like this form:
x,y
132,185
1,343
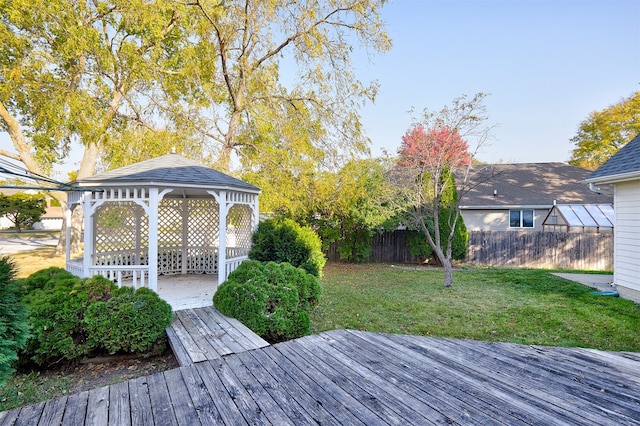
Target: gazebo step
x,y
202,334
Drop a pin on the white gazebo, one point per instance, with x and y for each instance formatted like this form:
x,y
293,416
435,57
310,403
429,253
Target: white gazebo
x,y
161,217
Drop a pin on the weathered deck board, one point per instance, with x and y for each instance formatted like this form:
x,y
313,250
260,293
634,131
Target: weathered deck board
x,y
140,402
98,415
30,415
201,334
163,411
353,378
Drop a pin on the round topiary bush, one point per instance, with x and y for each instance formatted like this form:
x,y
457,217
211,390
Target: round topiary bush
x,y
13,320
286,241
131,321
272,299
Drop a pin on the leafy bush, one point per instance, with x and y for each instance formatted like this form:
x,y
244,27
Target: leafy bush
x,y
130,321
286,241
70,317
272,299
47,278
13,320
56,313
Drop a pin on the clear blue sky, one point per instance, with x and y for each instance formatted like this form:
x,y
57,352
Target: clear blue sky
x,y
545,63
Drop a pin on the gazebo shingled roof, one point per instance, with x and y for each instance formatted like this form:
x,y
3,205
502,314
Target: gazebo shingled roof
x,y
169,168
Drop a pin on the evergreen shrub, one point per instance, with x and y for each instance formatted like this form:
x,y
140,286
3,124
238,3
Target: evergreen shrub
x,y
56,313
286,241
132,321
272,299
71,317
13,320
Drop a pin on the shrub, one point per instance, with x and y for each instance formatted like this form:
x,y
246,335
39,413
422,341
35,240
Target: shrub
x,y
70,317
272,299
132,321
56,313
13,320
286,241
47,278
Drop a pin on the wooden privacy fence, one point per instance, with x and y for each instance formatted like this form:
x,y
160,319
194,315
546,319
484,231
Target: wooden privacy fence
x,y
555,250
531,249
387,247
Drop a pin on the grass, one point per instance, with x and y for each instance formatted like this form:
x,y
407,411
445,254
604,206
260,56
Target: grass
x,y
509,305
28,262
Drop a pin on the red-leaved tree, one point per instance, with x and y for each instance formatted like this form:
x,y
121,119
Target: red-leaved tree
x,y
432,151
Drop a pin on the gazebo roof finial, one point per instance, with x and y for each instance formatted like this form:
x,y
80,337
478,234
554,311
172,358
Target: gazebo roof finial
x,y
173,150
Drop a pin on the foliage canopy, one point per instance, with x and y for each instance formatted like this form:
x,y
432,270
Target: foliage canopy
x,y
603,133
23,210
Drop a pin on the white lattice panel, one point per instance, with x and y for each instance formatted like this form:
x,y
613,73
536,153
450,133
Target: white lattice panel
x,y
239,226
170,214
117,226
203,223
188,234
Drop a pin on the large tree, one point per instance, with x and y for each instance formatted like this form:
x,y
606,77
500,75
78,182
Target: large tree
x,y
89,71
283,89
434,148
604,132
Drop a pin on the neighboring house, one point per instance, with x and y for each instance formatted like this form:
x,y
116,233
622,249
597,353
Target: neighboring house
x,y
623,172
518,197
50,220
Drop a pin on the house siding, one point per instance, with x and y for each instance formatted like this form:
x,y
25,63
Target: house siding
x,y
498,220
627,246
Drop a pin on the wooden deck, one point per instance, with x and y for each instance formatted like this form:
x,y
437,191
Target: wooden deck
x,y
360,378
204,334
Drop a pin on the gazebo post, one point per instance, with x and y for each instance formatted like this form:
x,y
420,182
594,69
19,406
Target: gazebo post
x,y
67,242
222,235
153,239
88,233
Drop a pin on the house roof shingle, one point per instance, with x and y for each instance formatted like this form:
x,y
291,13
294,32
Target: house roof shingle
x,y
622,165
531,185
170,168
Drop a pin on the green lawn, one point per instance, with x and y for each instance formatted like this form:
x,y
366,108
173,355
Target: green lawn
x,y
509,305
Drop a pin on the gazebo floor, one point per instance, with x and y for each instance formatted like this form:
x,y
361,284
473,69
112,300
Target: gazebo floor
x,y
187,291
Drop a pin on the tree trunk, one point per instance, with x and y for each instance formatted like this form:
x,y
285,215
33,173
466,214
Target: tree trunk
x,y
448,273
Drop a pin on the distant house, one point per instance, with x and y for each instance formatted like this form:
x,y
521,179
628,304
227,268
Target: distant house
x,y
50,220
623,172
518,197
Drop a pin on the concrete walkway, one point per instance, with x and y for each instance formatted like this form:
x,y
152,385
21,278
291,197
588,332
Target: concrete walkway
x,y
601,282
16,245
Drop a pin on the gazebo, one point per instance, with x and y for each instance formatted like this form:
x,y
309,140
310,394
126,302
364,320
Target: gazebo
x,y
164,216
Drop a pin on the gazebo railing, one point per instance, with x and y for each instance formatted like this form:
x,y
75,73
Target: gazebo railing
x,y
136,274
75,267
126,264
232,264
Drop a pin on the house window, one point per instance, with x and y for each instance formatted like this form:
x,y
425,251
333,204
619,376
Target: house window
x,y
521,218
